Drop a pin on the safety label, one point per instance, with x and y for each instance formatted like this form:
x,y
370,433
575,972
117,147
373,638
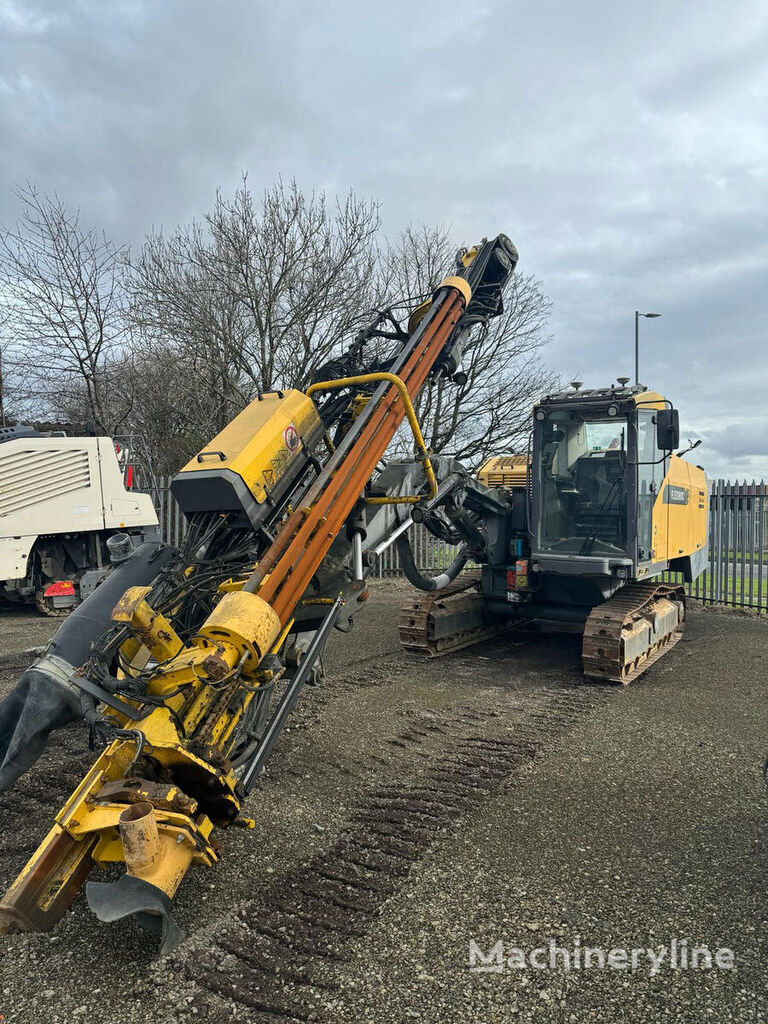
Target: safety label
x,y
291,438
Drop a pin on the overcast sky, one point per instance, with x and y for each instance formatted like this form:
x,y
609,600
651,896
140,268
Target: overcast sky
x,y
622,147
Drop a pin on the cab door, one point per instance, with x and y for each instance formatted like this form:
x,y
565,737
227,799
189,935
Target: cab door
x,y
650,473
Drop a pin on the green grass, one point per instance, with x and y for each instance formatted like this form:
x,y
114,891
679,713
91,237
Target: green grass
x,y
729,592
748,556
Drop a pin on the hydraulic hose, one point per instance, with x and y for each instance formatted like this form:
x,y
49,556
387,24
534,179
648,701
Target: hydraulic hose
x,y
412,574
79,631
44,699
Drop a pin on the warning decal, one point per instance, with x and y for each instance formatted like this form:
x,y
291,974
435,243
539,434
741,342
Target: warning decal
x,y
291,438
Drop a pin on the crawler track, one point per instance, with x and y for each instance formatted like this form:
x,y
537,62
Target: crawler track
x,y
276,957
623,637
633,629
424,618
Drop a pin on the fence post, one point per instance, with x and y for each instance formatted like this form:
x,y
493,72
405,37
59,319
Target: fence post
x,y
760,543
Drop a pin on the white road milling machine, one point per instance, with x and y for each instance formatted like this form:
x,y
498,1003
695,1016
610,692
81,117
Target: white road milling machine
x,y
61,501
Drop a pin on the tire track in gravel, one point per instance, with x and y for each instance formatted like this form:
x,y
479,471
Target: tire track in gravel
x,y
272,958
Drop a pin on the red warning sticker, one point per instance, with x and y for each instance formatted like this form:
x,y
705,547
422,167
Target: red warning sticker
x,y
291,438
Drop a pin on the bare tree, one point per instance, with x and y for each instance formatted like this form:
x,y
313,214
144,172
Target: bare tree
x,y
175,413
260,293
256,296
6,365
258,299
65,290
172,415
490,412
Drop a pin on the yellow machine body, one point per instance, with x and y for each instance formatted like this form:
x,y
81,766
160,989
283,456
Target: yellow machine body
x,y
505,471
602,513
650,400
251,461
680,512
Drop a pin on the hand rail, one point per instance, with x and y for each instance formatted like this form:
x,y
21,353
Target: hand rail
x,y
421,448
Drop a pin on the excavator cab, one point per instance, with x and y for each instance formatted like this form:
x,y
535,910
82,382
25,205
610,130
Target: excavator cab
x,y
584,489
582,467
609,499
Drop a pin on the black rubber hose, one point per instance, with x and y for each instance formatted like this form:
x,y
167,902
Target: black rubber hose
x,y
44,699
90,619
412,574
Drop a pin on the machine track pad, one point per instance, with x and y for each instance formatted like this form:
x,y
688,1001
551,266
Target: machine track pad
x,y
133,897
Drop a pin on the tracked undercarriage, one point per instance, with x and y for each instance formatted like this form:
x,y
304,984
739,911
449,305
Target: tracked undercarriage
x,y
633,629
622,637
442,621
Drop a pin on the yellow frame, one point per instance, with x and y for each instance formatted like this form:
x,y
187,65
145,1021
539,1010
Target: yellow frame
x,y
423,453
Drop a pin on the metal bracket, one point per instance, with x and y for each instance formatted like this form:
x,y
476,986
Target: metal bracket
x,y
105,697
276,723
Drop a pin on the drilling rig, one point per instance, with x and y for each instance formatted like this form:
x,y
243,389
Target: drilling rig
x,y
186,664
579,530
176,659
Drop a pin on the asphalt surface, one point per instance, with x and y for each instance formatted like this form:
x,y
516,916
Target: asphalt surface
x,y
415,806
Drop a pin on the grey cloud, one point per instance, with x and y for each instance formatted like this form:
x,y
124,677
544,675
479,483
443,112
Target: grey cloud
x,y
741,441
623,147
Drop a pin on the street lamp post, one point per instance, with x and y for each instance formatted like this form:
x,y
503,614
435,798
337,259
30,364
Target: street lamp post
x,y
650,316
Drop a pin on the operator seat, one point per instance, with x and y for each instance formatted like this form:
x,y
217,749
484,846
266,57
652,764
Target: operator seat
x,y
600,509
596,475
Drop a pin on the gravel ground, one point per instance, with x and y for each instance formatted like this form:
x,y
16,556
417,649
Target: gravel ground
x,y
22,630
416,805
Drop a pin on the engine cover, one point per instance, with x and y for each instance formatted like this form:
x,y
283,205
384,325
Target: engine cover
x,y
254,460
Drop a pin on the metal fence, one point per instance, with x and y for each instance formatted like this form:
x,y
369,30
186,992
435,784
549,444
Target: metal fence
x,y
737,573
173,525
430,554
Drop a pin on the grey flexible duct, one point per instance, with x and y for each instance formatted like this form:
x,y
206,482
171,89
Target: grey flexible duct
x,y
412,574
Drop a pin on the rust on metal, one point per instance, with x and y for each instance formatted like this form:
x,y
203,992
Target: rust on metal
x,y
48,884
420,618
163,796
214,665
634,610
